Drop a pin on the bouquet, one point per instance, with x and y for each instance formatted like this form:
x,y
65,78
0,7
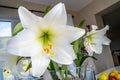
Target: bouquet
x,y
49,43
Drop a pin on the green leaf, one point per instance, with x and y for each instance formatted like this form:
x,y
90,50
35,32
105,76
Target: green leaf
x,y
81,23
47,10
51,66
28,67
81,42
17,29
55,66
76,46
64,67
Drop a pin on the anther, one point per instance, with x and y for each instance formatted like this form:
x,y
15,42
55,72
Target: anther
x,y
50,46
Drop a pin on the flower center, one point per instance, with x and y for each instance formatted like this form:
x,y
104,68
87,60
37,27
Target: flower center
x,y
47,37
91,40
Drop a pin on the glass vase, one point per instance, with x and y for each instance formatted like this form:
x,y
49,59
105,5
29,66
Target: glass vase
x,y
73,74
85,72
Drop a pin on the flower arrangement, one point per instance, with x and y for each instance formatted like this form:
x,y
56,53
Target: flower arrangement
x,y
50,43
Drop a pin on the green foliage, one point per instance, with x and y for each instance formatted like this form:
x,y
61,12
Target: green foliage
x,y
77,46
17,29
81,23
55,67
28,67
47,10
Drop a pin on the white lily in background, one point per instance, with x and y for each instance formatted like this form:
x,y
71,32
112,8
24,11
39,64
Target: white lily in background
x,y
8,61
3,41
95,39
11,64
45,38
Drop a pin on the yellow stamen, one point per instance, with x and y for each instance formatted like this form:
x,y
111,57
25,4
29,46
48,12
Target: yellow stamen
x,y
45,49
48,50
50,46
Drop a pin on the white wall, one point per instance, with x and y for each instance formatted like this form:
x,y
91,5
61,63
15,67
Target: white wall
x,y
92,9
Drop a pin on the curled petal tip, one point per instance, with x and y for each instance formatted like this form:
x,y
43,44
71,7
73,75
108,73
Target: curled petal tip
x,y
20,8
61,4
107,27
94,27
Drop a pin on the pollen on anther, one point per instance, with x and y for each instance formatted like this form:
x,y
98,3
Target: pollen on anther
x,y
50,45
47,50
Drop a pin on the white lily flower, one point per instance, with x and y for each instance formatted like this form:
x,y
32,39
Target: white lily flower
x,y
95,39
45,39
11,64
4,56
7,60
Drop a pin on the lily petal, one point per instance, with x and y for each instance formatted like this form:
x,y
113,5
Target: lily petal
x,y
56,16
87,47
28,19
99,36
4,56
73,33
12,59
105,40
24,44
39,64
68,48
8,59
62,56
94,27
97,48
102,31
3,42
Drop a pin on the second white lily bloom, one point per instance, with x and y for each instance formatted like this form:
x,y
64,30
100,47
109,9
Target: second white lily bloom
x,y
95,39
